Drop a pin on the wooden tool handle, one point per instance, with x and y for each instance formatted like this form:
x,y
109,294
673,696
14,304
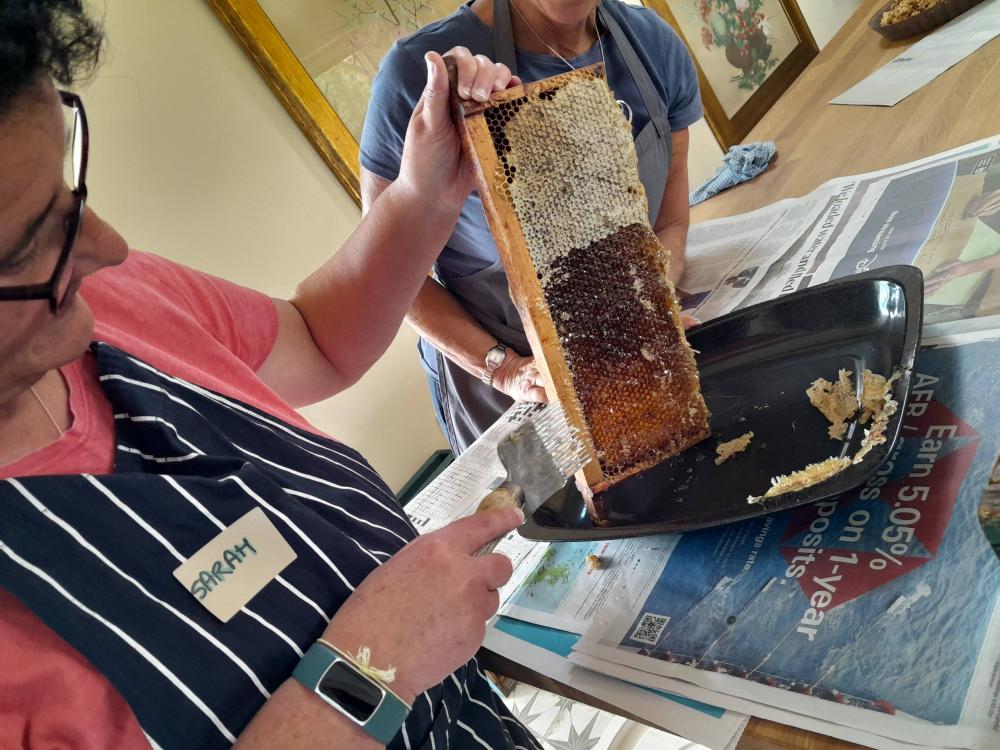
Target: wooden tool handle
x,y
460,108
457,111
507,495
452,68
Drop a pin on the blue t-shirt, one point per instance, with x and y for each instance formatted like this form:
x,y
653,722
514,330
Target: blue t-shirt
x,y
402,75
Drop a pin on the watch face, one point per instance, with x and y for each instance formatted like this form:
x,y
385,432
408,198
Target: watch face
x,y
495,357
350,691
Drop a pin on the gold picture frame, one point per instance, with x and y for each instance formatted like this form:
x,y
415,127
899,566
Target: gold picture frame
x,y
736,100
294,87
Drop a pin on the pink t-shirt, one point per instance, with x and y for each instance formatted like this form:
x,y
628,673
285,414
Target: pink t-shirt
x,y
190,325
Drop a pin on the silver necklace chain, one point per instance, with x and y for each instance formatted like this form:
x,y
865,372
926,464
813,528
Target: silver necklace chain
x,y
551,49
626,109
45,408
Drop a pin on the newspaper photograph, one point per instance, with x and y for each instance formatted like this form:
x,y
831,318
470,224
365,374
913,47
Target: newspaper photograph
x,y
941,214
574,580
876,610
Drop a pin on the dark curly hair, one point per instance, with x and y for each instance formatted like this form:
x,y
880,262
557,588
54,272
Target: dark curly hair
x,y
54,38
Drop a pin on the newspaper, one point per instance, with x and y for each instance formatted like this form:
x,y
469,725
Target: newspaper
x,y
455,493
545,650
875,613
764,711
924,61
876,610
565,591
457,490
941,214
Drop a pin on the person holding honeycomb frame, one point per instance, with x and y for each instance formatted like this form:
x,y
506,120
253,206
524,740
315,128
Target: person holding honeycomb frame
x,y
185,562
473,346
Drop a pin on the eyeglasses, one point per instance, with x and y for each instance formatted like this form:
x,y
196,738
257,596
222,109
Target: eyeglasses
x,y
56,289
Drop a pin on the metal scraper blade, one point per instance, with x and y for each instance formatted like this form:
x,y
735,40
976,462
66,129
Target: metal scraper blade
x,y
530,466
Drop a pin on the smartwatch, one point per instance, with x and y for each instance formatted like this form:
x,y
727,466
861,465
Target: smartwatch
x,y
494,358
362,699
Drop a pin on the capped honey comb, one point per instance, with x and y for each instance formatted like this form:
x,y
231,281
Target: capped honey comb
x,y
557,172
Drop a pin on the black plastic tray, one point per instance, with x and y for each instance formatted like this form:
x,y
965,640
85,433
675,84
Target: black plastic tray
x,y
755,366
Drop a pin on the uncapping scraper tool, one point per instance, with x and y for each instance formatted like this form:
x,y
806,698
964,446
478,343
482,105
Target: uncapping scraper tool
x,y
539,456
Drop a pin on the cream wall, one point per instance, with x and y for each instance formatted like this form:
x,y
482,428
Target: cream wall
x,y
825,17
194,158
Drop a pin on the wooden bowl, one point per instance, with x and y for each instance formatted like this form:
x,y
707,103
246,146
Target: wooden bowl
x,y
921,22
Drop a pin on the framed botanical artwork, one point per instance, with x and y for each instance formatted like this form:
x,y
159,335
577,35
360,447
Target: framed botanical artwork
x,y
747,53
320,56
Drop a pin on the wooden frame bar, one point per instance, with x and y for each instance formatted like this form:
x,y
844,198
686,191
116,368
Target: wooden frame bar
x,y
529,297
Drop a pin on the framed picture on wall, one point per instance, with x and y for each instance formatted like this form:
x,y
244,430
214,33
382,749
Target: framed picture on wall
x,y
747,53
320,57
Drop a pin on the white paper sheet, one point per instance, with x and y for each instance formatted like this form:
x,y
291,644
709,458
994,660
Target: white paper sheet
x,y
927,59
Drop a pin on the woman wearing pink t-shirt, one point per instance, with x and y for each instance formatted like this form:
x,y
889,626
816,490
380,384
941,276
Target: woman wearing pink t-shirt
x,y
146,412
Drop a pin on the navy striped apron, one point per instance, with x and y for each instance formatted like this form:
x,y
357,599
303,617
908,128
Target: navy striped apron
x,y
94,556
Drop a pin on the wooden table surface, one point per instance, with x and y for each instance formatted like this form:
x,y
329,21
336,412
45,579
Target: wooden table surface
x,y
817,141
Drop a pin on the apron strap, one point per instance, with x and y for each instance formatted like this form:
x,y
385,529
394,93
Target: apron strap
x,y
503,35
650,98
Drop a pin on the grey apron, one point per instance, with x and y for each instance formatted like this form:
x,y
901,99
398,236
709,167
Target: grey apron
x,y
469,405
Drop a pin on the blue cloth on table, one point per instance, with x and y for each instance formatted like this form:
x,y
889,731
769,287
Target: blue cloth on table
x,y
740,164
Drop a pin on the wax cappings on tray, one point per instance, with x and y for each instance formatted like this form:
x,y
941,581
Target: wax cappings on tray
x,y
557,172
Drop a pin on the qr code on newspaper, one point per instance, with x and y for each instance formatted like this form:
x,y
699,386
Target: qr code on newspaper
x,y
650,628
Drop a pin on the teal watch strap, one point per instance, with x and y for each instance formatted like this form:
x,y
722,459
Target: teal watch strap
x,y
386,718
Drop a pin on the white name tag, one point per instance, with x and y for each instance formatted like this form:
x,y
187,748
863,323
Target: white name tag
x,y
228,572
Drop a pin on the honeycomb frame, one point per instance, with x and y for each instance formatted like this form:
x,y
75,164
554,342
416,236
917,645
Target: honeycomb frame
x,y
629,384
